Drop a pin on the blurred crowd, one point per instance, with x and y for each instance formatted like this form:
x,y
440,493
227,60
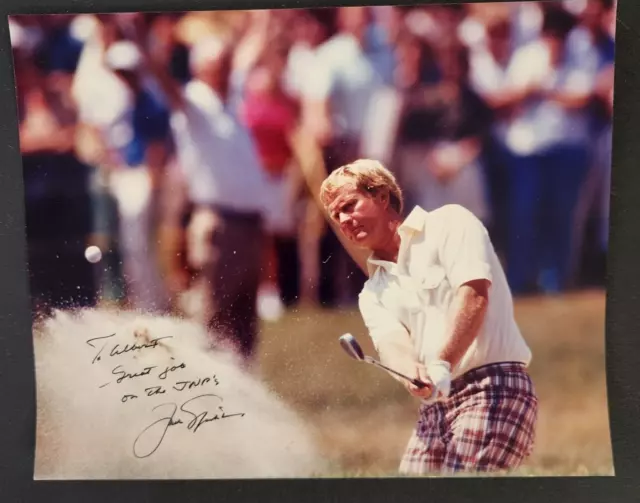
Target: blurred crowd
x,y
177,142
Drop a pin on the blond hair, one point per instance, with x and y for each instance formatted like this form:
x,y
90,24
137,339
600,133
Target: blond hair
x,y
367,175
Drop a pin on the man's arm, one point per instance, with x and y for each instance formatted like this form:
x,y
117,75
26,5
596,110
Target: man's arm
x,y
392,342
497,94
171,230
466,151
579,86
582,64
506,98
156,66
570,99
316,90
466,317
316,119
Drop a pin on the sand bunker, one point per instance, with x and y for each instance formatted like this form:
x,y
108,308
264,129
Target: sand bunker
x,y
124,395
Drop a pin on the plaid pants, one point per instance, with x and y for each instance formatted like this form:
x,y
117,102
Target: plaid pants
x,y
488,423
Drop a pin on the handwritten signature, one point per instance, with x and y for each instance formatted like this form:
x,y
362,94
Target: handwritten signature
x,y
116,350
198,414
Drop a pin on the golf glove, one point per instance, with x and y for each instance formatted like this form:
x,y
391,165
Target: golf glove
x,y
439,373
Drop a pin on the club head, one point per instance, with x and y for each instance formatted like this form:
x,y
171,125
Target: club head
x,y
351,347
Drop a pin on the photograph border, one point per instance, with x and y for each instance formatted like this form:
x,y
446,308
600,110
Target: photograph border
x,y
17,377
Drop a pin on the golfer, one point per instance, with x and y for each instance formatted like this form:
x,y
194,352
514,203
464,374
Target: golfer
x,y
438,308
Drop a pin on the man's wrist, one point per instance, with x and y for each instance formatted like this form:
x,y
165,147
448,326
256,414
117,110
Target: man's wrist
x,y
439,372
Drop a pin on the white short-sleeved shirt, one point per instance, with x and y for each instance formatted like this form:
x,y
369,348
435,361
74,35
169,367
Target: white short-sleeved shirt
x,y
218,156
440,251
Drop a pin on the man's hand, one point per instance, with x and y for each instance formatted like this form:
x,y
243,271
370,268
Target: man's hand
x,y
439,374
423,393
402,360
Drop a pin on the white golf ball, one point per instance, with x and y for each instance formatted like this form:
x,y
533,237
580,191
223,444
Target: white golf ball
x,y
93,254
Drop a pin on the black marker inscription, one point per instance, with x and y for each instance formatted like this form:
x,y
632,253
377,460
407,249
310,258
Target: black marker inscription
x,y
125,375
163,374
199,412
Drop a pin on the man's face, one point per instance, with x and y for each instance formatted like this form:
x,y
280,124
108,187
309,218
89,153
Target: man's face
x,y
361,217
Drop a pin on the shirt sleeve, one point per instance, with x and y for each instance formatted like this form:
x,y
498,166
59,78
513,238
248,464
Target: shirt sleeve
x,y
465,249
380,322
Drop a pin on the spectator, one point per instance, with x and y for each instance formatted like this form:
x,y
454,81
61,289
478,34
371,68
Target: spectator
x,y
272,116
592,41
140,141
58,205
547,143
102,101
164,42
442,134
340,76
489,63
226,185
381,35
437,24
313,27
256,37
526,22
336,97
62,50
604,92
416,76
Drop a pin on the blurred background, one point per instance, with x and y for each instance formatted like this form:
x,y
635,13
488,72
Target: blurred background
x,y
503,108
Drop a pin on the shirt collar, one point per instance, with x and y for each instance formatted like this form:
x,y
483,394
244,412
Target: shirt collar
x,y
373,264
414,222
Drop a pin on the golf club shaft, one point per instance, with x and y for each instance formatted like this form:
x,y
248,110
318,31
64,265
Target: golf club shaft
x,y
416,382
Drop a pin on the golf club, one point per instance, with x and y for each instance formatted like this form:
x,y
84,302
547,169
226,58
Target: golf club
x,y
353,349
